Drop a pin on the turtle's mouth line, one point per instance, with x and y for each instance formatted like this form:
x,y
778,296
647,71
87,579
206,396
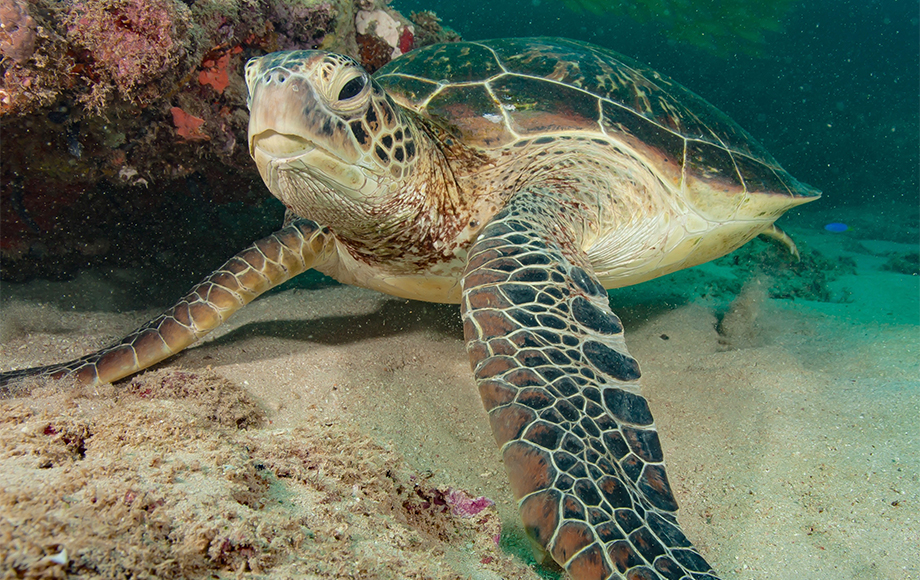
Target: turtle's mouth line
x,y
288,148
303,161
281,145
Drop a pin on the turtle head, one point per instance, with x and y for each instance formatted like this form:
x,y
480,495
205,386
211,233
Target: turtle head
x,y
328,141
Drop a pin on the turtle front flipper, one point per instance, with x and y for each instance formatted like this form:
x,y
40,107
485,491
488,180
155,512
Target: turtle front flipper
x,y
562,392
265,264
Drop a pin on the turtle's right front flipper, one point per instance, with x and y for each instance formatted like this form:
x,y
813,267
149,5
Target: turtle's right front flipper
x,y
562,391
260,267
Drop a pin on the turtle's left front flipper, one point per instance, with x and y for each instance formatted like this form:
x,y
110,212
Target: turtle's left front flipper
x,y
562,393
268,262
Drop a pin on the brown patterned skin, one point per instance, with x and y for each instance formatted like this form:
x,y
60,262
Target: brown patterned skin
x,y
562,392
519,178
260,267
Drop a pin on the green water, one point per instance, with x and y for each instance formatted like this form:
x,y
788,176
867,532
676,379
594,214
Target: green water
x,y
832,92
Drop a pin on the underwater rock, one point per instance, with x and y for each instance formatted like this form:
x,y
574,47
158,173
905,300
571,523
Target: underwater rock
x,y
122,110
17,30
382,36
907,263
428,29
187,126
302,24
742,326
127,45
808,278
182,475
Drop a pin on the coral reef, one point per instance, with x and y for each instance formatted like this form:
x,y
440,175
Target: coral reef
x,y
302,24
122,110
908,263
382,37
182,475
428,29
808,278
215,73
187,126
125,45
465,506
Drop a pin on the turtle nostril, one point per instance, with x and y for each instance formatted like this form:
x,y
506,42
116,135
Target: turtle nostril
x,y
276,76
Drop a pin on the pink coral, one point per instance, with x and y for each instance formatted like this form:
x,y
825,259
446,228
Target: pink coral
x,y
465,506
132,40
17,30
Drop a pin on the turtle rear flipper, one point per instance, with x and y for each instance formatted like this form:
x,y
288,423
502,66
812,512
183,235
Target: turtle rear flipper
x,y
562,393
266,263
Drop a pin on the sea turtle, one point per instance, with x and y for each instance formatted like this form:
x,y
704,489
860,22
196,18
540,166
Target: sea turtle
x,y
519,178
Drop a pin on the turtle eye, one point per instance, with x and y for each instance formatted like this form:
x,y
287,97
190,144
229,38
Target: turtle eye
x,y
352,88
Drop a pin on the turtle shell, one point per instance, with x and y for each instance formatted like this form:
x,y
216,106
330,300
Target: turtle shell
x,y
497,93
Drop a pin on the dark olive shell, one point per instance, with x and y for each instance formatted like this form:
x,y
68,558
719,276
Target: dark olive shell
x,y
494,93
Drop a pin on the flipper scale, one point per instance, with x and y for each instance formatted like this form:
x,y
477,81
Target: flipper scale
x,y
564,402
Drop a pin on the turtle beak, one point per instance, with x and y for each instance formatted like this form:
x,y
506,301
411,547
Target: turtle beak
x,y
283,110
278,126
277,135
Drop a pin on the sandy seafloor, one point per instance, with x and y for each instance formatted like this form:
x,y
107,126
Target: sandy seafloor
x,y
320,433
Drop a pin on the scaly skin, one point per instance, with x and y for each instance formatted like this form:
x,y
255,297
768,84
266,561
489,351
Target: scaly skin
x,y
260,267
578,440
